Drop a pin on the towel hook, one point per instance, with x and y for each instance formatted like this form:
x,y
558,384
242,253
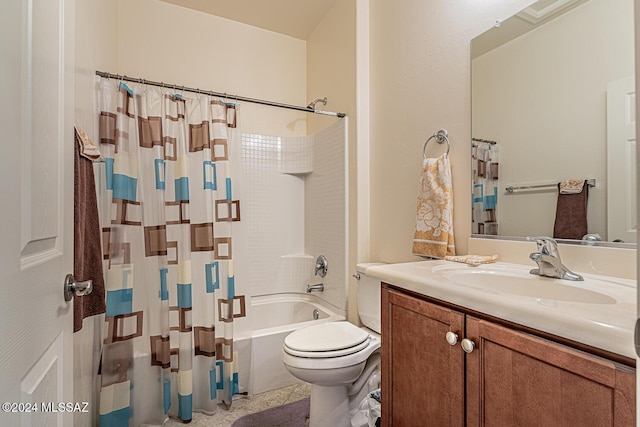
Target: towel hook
x,y
441,137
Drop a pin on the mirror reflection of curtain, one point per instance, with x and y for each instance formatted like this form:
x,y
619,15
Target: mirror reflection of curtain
x,y
485,159
171,293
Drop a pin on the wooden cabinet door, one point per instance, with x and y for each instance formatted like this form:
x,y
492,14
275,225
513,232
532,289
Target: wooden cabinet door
x,y
515,379
422,375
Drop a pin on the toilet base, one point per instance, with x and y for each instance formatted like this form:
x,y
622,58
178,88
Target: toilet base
x,y
329,406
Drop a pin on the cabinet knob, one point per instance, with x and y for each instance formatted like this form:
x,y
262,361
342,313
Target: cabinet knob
x,y
452,338
467,345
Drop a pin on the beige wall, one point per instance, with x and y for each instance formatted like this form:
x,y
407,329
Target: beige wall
x,y
163,42
95,49
420,82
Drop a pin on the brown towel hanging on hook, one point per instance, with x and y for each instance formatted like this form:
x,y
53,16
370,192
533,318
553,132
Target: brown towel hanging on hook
x,y
87,253
571,215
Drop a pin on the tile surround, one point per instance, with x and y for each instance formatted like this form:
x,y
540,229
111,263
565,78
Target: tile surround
x,y
294,206
325,211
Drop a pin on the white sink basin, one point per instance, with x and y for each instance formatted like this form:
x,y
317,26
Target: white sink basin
x,y
599,311
518,281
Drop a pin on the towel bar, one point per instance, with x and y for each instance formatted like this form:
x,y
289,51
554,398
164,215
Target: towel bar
x,y
512,188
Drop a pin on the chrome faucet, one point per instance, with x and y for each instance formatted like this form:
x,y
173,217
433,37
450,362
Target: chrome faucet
x,y
317,287
548,260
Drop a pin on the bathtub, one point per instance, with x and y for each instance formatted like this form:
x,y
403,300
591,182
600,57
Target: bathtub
x,y
273,317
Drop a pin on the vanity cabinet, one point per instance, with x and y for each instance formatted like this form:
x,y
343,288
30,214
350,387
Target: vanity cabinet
x,y
509,377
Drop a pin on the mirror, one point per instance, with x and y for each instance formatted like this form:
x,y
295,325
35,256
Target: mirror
x,y
553,99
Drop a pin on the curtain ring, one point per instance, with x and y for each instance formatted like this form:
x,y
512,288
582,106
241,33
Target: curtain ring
x,y
441,137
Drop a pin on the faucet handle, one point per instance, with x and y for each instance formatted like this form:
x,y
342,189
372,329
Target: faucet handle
x,y
546,245
321,266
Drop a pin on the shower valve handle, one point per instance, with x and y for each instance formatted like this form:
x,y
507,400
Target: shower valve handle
x,y
321,266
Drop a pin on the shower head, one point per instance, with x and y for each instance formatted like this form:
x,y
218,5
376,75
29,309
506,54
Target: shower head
x,y
313,103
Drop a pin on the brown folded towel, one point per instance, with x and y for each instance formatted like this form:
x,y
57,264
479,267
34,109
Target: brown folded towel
x,y
571,215
87,252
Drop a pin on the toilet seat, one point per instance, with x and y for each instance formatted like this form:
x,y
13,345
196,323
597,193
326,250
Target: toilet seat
x,y
366,343
328,354
326,340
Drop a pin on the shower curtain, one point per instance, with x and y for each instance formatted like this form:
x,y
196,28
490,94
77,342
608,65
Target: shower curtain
x,y
485,158
168,211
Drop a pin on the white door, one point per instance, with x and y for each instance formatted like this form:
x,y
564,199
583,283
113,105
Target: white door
x,y
621,160
36,211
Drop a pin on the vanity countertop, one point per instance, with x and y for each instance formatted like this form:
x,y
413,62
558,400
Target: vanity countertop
x,y
607,324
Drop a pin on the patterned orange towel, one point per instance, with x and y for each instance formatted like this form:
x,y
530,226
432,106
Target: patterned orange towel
x,y
433,235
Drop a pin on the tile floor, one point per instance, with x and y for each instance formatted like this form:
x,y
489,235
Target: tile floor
x,y
243,405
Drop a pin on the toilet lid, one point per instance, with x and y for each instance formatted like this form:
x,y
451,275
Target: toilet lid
x,y
326,337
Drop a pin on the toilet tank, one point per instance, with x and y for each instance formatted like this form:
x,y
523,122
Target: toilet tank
x,y
369,298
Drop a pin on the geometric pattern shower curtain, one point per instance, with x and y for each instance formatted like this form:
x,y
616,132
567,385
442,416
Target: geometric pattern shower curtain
x,y
485,166
168,211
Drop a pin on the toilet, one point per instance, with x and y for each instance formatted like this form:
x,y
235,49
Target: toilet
x,y
340,360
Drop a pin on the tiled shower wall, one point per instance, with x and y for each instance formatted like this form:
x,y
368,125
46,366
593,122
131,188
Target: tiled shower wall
x,y
292,193
325,210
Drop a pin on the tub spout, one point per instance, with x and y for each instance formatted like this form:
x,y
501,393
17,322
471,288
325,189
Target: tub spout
x,y
317,287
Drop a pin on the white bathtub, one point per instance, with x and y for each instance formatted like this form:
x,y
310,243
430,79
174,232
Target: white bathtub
x,y
273,317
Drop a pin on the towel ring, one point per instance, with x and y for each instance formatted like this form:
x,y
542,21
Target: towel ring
x,y
441,137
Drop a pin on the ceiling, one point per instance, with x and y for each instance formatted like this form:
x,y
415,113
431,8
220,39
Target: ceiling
x,y
296,18
528,19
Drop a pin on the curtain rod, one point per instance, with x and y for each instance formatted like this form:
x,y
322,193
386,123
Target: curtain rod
x,y
218,94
